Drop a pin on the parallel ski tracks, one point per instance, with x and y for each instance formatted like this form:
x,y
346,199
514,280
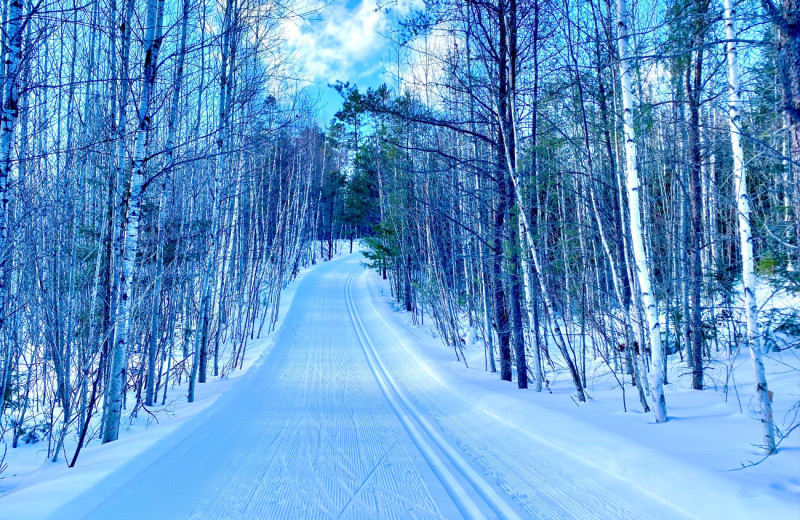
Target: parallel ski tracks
x,y
454,473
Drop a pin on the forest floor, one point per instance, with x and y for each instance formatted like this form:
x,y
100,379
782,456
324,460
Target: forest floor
x,y
349,411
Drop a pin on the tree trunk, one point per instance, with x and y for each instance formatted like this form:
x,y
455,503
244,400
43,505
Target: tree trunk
x,y
122,335
745,234
14,67
693,92
637,235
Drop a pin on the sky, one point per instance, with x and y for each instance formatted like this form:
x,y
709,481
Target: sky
x,y
344,41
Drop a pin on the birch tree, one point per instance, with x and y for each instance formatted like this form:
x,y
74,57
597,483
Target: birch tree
x,y
637,239
125,307
745,233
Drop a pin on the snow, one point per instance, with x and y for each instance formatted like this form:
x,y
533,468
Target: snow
x,y
349,411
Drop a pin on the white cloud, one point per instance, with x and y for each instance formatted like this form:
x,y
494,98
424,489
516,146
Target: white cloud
x,y
344,44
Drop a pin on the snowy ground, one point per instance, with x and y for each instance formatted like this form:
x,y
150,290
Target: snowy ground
x,y
350,412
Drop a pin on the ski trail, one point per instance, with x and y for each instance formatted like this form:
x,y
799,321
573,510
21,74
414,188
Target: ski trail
x,y
340,421
546,483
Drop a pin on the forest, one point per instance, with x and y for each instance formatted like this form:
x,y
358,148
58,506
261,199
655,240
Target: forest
x,y
574,182
589,181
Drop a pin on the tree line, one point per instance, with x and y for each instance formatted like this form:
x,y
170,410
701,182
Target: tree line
x,y
160,182
587,182
579,182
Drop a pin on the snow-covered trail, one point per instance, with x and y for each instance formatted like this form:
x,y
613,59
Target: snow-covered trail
x,y
337,423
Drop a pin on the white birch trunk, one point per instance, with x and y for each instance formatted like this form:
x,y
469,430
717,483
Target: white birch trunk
x,y
637,234
10,112
745,234
529,303
119,358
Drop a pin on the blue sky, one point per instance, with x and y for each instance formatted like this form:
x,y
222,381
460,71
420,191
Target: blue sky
x,y
344,41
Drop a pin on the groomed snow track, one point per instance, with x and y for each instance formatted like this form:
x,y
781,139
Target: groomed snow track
x,y
342,420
